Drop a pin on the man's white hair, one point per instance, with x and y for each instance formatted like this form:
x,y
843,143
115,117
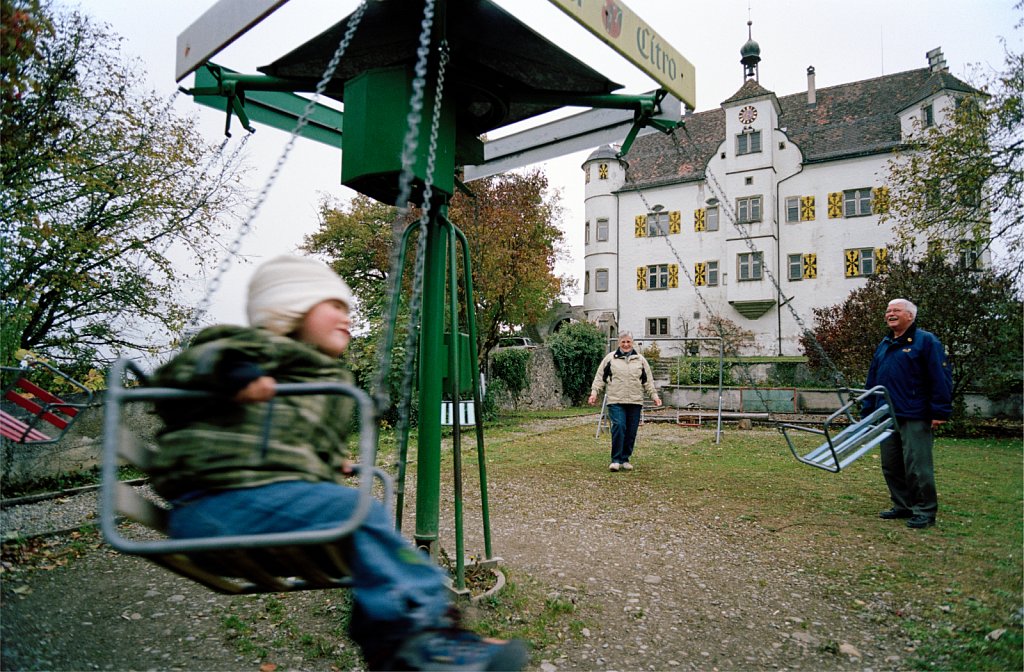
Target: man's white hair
x,y
907,306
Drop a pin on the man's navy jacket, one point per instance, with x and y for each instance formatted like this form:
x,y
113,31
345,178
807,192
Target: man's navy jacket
x,y
915,370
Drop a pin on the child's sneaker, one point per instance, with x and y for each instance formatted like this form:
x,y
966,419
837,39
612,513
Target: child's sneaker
x,y
458,650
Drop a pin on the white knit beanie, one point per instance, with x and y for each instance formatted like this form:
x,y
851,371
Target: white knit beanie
x,y
283,290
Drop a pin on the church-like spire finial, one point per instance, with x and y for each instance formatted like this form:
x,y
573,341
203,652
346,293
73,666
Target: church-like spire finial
x,y
750,54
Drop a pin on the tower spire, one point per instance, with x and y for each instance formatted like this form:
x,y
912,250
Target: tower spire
x,y
750,55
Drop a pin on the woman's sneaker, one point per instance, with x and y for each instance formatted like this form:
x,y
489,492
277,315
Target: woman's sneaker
x,y
614,466
458,650
626,466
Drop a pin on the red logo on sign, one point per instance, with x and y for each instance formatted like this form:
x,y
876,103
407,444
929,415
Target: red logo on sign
x,y
611,14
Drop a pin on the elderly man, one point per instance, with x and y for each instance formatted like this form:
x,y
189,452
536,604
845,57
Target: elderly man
x,y
912,365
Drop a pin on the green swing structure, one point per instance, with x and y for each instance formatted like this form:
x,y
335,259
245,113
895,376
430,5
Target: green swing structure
x,y
421,83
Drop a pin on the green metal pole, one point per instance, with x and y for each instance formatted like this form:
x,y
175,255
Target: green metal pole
x,y
389,342
454,381
432,370
467,270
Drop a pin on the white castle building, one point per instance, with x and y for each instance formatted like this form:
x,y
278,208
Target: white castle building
x,y
755,212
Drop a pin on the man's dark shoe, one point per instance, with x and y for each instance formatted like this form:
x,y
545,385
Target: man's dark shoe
x,y
920,522
893,513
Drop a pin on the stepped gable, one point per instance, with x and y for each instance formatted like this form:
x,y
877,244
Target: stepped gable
x,y
848,120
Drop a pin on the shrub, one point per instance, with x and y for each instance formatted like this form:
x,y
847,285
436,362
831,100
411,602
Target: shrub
x,y
510,367
703,372
652,353
577,349
496,392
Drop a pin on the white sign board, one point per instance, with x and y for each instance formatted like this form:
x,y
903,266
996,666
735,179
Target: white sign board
x,y
221,25
625,32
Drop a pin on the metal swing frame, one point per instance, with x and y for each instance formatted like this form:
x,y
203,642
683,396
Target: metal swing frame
x,y
239,564
850,443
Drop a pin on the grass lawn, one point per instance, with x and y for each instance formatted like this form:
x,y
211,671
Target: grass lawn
x,y
956,588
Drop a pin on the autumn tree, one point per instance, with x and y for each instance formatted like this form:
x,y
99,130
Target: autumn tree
x,y
959,184
511,224
975,313
100,182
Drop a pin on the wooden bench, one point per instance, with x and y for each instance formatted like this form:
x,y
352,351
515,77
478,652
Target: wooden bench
x,y
43,406
18,431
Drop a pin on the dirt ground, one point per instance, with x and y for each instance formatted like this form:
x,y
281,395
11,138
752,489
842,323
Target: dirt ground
x,y
659,586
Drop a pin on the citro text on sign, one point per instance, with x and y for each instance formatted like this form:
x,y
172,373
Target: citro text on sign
x,y
622,30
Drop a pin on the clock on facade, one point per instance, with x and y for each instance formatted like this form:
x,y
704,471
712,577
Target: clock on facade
x,y
748,114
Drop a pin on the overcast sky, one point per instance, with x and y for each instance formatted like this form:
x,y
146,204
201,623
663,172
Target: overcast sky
x,y
845,41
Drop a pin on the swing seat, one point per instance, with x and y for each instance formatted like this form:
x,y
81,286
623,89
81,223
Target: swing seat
x,y
240,564
854,440
43,407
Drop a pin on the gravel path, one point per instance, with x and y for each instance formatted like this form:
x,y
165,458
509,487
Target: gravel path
x,y
54,514
661,584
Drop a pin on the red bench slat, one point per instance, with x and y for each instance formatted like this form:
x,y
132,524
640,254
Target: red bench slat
x,y
36,409
16,430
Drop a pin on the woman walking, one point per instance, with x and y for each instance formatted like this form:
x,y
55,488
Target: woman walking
x,y
624,376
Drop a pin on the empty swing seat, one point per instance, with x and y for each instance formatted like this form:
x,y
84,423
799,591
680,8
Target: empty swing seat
x,y
852,441
240,564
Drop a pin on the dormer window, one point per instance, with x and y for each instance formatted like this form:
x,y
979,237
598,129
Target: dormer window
x,y
748,142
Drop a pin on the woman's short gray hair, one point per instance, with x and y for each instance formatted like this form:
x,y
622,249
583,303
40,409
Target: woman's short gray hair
x,y
626,334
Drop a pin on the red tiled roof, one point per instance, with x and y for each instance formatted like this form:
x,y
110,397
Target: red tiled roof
x,y
847,120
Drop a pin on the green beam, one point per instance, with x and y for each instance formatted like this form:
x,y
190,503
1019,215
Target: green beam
x,y
274,107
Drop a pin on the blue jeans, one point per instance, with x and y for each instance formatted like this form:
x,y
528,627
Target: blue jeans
x,y
397,590
625,419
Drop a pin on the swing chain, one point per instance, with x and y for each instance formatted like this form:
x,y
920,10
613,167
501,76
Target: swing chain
x,y
246,225
415,302
720,192
380,388
839,378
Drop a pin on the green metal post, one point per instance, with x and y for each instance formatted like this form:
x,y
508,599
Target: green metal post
x,y
389,341
467,270
454,380
428,455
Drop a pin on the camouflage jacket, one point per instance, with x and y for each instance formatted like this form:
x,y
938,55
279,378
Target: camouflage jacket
x,y
217,444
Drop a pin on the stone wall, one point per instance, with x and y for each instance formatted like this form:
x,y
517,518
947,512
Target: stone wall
x,y
544,389
80,449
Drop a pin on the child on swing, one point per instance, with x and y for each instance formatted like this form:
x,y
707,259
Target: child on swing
x,y
224,477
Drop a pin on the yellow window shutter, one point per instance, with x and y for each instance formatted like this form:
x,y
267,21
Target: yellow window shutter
x,y
640,226
673,276
835,205
700,219
806,208
852,263
880,200
641,277
700,274
675,221
881,259
810,266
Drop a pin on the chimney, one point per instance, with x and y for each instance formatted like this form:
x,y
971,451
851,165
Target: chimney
x,y
936,61
811,94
